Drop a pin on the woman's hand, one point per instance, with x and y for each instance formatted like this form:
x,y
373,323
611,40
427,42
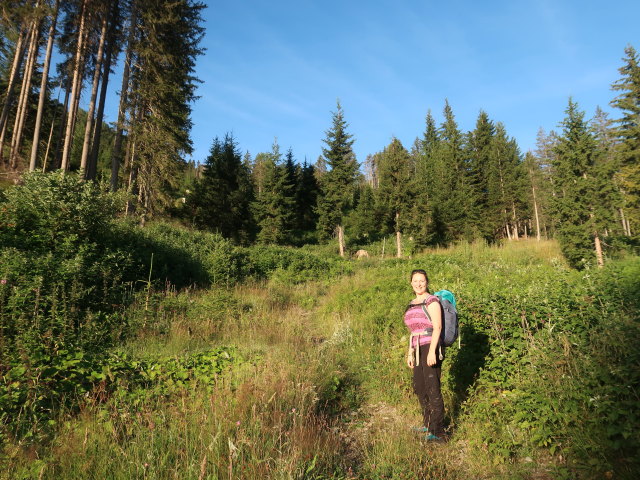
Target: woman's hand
x,y
410,358
431,358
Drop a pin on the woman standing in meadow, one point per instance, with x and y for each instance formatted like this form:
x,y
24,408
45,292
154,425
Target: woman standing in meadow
x,y
423,317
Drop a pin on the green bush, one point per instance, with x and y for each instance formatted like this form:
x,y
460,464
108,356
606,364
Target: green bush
x,y
290,265
32,394
181,257
68,269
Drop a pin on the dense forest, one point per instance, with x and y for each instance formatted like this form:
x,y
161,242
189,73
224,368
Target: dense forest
x,y
155,311
580,185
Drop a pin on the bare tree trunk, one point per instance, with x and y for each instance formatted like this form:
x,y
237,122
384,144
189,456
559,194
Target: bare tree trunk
x,y
88,129
124,91
57,154
92,164
625,225
398,237
133,174
598,250
43,88
18,56
341,240
515,222
23,102
46,152
76,87
535,207
506,227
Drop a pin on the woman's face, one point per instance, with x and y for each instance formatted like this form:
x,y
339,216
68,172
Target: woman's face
x,y
419,283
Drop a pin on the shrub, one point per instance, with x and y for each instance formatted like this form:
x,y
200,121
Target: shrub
x,y
289,265
181,257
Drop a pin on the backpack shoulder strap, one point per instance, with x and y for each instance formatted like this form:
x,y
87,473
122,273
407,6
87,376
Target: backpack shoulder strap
x,y
424,306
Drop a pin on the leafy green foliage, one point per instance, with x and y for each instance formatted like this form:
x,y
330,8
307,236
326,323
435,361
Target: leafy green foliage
x,y
290,265
30,395
546,364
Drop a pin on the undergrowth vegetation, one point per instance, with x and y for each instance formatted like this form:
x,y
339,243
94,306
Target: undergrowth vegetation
x,y
73,277
160,352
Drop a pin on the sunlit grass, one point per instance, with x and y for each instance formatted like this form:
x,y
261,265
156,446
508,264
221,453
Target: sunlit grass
x,y
322,390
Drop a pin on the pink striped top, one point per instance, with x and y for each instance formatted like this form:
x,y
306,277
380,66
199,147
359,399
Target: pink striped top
x,y
417,321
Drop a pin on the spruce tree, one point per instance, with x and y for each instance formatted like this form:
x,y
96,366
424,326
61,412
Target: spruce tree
x,y
628,132
608,208
425,184
165,47
363,221
544,157
505,187
273,208
479,153
338,182
306,201
222,196
395,196
574,198
449,183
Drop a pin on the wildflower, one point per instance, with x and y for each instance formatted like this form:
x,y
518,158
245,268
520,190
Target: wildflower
x,y
238,423
293,410
3,281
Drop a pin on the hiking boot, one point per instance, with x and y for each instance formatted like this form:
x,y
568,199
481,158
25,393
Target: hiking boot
x,y
430,437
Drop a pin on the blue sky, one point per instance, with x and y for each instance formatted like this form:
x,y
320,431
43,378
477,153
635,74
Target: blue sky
x,y
276,68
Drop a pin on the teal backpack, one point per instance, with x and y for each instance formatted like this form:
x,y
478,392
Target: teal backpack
x,y
449,316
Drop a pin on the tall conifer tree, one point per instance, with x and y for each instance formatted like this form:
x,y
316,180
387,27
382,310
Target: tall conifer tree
x,y
628,101
479,147
449,183
607,185
425,182
306,200
165,47
395,195
222,196
338,183
573,203
273,208
505,187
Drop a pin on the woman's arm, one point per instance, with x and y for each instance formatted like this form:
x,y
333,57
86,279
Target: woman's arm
x,y
435,313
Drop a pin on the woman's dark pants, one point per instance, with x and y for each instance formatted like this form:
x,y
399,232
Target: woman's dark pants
x,y
426,385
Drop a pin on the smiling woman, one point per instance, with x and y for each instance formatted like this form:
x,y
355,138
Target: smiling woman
x,y
423,317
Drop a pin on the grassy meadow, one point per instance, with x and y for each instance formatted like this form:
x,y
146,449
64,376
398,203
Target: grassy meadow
x,y
278,377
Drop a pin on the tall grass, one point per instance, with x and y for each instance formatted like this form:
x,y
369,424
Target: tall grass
x,y
319,388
